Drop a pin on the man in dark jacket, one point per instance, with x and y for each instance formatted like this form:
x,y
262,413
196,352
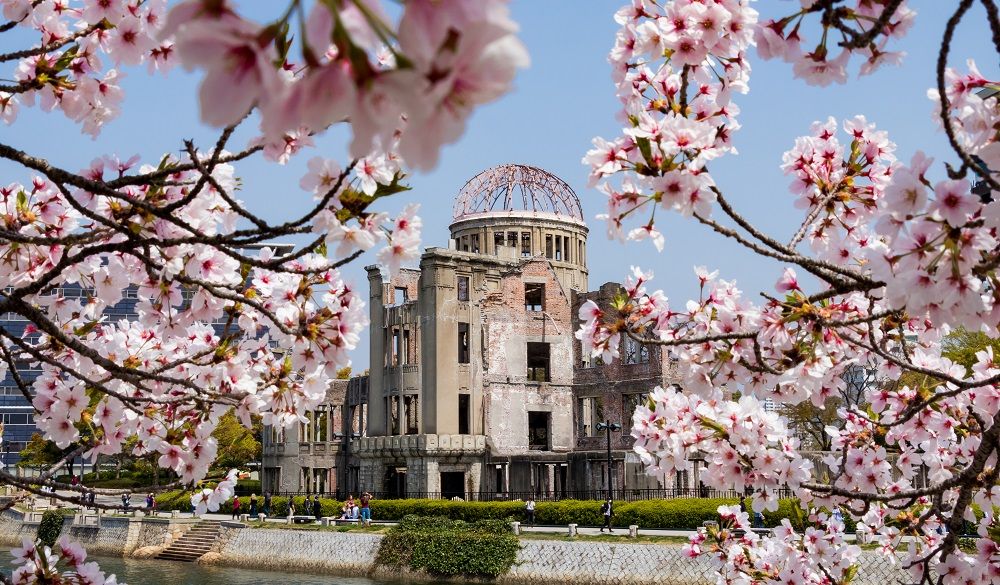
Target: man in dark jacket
x,y
317,510
606,511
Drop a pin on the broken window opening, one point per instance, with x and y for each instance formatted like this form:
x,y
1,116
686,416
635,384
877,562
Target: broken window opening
x,y
534,297
463,288
463,343
410,404
464,402
591,411
538,431
538,362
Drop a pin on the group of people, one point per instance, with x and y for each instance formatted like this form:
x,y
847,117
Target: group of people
x,y
127,502
357,511
311,507
253,510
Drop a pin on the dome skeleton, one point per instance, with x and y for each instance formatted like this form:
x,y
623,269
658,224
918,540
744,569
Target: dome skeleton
x,y
513,187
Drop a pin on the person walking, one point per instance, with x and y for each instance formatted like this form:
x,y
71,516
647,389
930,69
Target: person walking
x,y
126,502
291,506
317,508
253,506
267,504
529,511
236,506
366,511
606,511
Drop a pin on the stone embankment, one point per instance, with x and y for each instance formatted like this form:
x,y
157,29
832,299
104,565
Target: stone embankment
x,y
353,553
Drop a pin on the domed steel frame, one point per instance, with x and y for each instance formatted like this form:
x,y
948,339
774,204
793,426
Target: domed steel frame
x,y
514,187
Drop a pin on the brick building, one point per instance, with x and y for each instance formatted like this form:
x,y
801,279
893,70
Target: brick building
x,y
478,387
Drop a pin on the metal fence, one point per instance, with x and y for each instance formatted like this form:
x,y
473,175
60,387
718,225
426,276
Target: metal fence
x,y
618,495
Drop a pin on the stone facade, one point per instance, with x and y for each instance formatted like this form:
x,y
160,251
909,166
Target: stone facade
x,y
310,457
477,386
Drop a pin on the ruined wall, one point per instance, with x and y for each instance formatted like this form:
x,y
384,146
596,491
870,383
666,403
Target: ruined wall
x,y
510,395
296,453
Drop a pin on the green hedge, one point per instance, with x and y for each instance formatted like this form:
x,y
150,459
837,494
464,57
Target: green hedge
x,y
675,514
445,547
50,527
678,514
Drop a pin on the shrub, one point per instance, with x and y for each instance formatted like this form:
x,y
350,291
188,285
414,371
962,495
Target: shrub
x,y
675,514
50,527
679,514
246,487
446,547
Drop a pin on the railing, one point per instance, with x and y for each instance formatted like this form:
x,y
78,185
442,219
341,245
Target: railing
x,y
619,495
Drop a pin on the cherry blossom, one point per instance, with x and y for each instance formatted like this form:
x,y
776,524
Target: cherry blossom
x,y
889,258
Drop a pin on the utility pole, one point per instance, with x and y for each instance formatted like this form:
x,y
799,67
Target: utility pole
x,y
608,426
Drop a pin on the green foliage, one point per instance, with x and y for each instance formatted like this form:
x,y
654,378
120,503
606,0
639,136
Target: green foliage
x,y
238,445
245,487
961,346
50,527
39,451
675,514
446,547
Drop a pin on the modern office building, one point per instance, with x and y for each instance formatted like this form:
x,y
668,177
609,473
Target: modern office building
x,y
16,412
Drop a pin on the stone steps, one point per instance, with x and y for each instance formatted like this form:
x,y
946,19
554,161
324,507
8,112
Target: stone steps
x,y
192,544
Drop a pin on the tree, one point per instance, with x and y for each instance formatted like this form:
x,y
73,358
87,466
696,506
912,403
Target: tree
x,y
40,452
962,346
224,322
810,420
888,259
238,445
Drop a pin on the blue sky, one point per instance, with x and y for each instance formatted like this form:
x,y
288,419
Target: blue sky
x,y
562,101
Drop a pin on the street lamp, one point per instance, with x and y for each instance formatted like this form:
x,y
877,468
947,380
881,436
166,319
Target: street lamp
x,y
608,426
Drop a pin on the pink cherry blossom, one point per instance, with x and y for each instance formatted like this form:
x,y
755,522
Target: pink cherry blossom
x,y
239,71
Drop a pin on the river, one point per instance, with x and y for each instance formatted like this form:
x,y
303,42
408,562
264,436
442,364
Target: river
x,y
152,572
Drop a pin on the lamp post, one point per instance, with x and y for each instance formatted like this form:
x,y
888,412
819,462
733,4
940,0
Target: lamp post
x,y
608,426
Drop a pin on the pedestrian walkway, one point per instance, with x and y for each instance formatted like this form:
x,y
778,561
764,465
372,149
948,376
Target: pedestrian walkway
x,y
193,544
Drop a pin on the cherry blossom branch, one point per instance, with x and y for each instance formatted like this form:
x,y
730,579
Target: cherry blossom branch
x,y
945,106
53,46
16,376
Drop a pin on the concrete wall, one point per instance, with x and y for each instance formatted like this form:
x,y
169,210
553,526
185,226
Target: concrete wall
x,y
538,561
353,554
116,536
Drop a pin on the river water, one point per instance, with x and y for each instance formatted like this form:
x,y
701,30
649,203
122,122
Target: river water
x,y
152,572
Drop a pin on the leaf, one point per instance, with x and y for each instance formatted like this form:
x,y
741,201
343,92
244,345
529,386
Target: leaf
x,y
396,186
85,329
